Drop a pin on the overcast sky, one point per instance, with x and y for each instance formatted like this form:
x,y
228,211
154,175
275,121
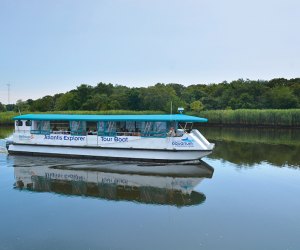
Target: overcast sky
x,y
48,47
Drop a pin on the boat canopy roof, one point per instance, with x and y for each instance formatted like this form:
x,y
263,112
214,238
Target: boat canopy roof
x,y
68,117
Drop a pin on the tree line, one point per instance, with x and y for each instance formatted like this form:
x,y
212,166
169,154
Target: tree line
x,y
277,93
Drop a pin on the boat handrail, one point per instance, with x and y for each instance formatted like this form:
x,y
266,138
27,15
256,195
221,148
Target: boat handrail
x,y
40,132
102,133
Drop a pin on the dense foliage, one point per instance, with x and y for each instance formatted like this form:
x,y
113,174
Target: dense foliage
x,y
278,93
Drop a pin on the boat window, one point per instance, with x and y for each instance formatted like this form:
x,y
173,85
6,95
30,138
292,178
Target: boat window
x,y
138,128
28,123
78,127
172,124
60,127
130,126
187,126
91,128
160,129
41,127
19,123
101,128
110,128
122,129
146,128
154,129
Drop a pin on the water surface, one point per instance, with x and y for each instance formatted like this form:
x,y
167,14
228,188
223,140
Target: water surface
x,y
243,196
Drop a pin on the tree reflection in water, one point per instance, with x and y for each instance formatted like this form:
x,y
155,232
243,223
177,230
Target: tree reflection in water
x,y
250,153
249,146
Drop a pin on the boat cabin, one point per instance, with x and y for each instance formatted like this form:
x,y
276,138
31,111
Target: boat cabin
x,y
146,137
105,125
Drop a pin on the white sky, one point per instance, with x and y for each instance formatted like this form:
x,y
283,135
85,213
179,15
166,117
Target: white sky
x,y
48,47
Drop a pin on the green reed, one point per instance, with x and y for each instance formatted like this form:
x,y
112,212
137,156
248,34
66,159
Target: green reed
x,y
240,117
254,117
6,118
107,112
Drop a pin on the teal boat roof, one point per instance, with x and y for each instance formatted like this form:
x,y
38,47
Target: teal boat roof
x,y
68,117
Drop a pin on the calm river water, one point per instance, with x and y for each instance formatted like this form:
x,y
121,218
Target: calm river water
x,y
243,196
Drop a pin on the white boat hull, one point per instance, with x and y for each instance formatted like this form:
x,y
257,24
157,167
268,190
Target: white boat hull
x,y
116,153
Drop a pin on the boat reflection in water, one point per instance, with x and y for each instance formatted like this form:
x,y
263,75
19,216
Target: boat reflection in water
x,y
162,184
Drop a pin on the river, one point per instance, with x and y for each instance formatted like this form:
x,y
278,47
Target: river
x,y
245,195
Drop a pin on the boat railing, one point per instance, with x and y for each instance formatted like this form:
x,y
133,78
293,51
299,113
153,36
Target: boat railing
x,y
140,134
154,134
40,132
61,132
21,131
78,132
160,134
128,133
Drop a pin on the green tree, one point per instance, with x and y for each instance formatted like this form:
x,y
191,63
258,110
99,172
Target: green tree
x,y
22,106
103,88
2,107
65,102
281,98
196,106
157,97
43,104
96,102
134,99
179,88
115,105
81,95
276,93
120,95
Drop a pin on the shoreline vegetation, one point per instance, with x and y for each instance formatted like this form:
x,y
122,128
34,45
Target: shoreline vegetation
x,y
253,135
289,118
239,103
281,118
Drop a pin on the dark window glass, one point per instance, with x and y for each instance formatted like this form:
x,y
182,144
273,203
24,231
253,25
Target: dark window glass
x,y
19,123
28,123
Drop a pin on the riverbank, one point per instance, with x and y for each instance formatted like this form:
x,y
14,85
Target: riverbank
x,y
289,118
282,118
270,136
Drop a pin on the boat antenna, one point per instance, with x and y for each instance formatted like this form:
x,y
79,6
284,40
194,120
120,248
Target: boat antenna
x,y
171,108
8,94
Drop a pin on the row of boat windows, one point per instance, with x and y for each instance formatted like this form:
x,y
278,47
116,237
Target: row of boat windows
x,y
100,128
20,123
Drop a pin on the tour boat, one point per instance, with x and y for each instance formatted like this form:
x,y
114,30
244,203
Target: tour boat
x,y
136,137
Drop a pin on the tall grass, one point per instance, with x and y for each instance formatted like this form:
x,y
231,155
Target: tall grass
x,y
240,117
106,112
253,117
6,118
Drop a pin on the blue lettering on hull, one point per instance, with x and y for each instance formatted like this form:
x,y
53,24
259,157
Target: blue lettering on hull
x,y
115,139
64,138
